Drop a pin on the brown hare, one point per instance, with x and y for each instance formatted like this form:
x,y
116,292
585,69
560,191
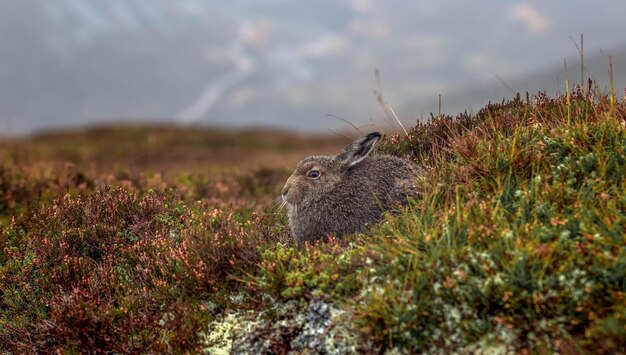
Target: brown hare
x,y
343,193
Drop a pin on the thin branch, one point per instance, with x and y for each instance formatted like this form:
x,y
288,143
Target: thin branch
x,y
340,134
344,120
397,119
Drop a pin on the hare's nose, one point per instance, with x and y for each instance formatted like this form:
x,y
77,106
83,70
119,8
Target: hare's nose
x,y
286,187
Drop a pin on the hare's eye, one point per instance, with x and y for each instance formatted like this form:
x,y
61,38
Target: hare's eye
x,y
313,174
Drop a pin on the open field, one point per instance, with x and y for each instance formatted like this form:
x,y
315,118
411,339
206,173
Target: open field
x,y
199,163
162,239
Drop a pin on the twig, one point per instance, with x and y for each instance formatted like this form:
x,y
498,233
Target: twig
x,y
341,134
397,119
344,120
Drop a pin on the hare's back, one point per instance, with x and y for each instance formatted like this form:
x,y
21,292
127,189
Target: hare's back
x,y
389,177
387,167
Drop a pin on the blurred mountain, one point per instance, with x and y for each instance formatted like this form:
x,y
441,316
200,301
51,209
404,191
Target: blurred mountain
x,y
281,62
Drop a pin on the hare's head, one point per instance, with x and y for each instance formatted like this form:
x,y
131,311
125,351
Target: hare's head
x,y
316,175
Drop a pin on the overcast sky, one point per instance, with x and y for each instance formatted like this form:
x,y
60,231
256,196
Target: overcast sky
x,y
282,63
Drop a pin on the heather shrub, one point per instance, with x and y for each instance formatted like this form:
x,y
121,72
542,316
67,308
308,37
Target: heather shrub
x,y
326,270
21,185
120,271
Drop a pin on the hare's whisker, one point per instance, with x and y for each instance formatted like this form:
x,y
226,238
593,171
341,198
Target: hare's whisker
x,y
276,202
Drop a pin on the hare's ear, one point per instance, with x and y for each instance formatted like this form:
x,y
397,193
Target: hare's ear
x,y
357,150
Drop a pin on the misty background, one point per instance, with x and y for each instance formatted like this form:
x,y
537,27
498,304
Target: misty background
x,y
287,63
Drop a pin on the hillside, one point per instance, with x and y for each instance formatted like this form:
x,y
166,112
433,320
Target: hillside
x,y
167,240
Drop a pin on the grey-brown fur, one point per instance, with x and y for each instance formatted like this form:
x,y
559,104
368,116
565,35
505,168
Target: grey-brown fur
x,y
352,190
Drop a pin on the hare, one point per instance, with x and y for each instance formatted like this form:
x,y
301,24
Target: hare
x,y
344,193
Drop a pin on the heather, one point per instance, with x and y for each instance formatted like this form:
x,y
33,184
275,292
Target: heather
x,y
170,240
